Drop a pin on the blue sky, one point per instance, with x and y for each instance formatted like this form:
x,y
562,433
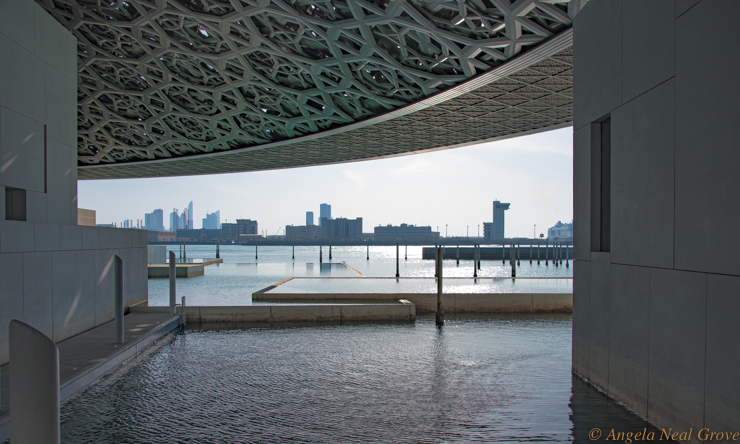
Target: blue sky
x,y
454,187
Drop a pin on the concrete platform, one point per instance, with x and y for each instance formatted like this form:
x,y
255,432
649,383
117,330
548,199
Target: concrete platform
x,y
89,356
182,270
357,311
427,302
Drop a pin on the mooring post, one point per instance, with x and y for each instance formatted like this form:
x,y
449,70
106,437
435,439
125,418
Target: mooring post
x,y
255,251
218,251
519,253
293,251
567,256
184,253
173,282
547,250
530,253
562,252
406,253
555,253
180,245
503,253
475,260
321,255
183,315
329,252
538,253
440,318
397,271
118,298
479,254
34,385
368,252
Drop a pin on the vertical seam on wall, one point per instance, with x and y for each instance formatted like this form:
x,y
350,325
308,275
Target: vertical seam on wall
x,y
23,288
647,392
46,155
51,266
621,52
675,148
609,310
706,326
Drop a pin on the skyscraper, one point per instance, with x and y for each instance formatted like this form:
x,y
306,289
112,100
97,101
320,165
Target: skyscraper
x,y
324,212
212,221
309,218
158,219
174,219
189,225
183,220
154,221
498,219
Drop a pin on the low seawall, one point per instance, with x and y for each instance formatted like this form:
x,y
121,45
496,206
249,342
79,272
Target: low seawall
x,y
381,311
182,270
453,302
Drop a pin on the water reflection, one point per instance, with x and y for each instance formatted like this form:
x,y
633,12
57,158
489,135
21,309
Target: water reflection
x,y
477,379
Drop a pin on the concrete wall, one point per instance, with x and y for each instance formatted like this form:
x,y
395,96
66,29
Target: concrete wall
x,y
655,318
54,274
452,302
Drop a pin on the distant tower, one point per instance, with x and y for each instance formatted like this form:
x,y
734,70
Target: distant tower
x,y
309,218
324,212
158,219
190,216
174,219
498,219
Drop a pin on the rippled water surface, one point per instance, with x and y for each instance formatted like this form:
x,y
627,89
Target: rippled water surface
x,y
477,379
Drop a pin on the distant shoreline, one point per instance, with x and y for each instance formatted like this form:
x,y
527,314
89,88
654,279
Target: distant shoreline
x,y
356,243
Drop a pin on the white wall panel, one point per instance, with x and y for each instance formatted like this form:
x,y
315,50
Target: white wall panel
x,y
46,237
678,302
11,297
23,88
17,22
21,150
37,299
54,44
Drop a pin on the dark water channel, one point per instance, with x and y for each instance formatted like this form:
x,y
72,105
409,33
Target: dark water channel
x,y
478,379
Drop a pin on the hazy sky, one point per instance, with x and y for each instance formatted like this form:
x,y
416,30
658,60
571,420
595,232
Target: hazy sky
x,y
454,187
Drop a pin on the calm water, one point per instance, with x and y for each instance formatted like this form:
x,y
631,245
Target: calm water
x,y
477,379
424,285
233,282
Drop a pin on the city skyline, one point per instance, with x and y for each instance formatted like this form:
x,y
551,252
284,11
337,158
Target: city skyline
x,y
536,180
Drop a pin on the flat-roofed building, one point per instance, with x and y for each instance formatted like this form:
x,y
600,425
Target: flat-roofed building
x,y
242,226
200,234
302,232
405,232
341,228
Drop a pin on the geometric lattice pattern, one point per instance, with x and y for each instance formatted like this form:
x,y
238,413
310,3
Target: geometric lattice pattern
x,y
535,98
161,79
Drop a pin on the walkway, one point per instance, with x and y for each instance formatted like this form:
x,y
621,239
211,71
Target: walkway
x,y
89,356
